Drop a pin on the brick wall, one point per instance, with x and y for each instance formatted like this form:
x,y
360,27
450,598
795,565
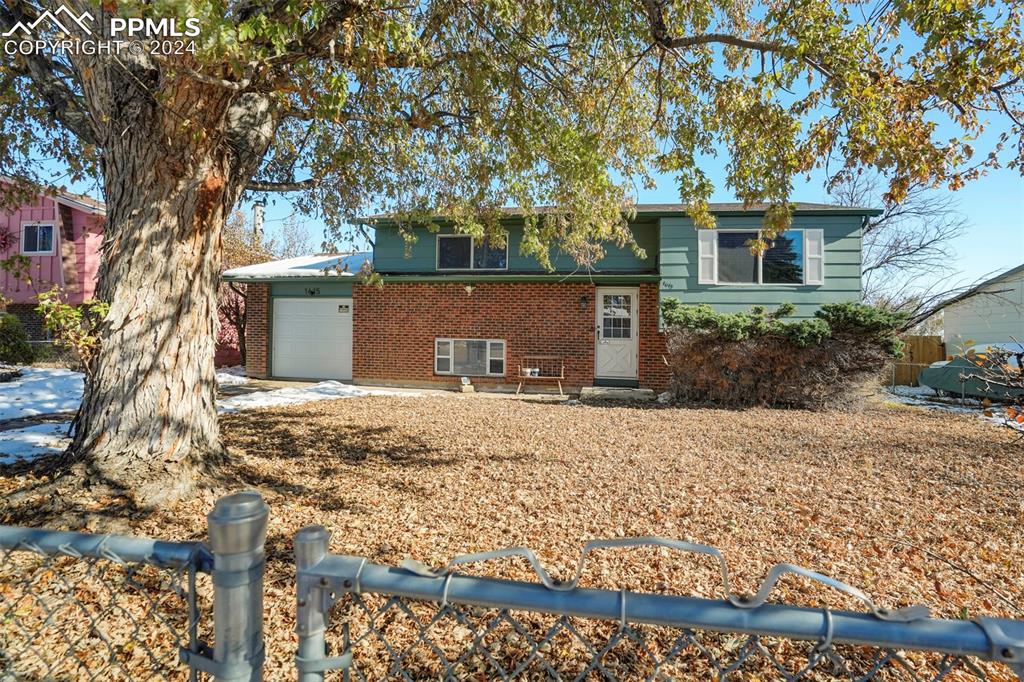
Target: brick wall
x,y
257,311
654,370
395,327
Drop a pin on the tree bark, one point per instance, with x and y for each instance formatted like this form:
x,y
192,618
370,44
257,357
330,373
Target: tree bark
x,y
173,170
148,418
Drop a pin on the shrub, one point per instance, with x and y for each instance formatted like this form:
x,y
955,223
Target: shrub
x,y
760,358
14,345
859,320
73,327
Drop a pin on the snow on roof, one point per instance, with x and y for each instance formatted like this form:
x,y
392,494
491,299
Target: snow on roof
x,y
320,265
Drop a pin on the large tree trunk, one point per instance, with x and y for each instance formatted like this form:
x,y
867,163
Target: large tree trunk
x,y
149,417
148,421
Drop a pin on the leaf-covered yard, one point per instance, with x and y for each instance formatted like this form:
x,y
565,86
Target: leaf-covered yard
x,y
909,505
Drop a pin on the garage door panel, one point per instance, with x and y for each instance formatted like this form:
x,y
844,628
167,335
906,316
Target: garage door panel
x,y
312,338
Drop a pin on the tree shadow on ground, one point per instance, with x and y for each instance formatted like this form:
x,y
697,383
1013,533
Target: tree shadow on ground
x,y
309,435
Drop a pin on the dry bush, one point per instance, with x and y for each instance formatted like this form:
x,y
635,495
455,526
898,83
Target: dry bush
x,y
757,358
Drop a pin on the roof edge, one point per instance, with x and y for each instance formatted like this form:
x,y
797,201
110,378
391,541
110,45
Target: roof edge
x,y
978,287
666,210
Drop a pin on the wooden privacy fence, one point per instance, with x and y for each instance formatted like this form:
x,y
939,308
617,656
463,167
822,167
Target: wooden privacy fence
x,y
920,352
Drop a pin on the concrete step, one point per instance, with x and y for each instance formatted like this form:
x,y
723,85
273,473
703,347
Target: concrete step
x,y
613,393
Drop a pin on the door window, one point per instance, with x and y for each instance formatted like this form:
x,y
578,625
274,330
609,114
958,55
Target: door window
x,y
616,316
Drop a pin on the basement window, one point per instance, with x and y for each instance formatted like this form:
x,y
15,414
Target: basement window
x,y
469,357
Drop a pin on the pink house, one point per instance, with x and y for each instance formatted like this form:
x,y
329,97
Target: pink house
x,y
60,233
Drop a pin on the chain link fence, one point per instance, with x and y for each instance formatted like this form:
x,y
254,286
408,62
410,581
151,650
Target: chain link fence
x,y
399,638
79,606
414,623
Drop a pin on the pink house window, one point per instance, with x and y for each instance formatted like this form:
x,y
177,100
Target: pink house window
x,y
37,238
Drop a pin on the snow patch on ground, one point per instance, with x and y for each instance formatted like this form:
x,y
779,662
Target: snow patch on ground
x,y
325,390
912,391
40,390
47,390
922,396
232,376
33,441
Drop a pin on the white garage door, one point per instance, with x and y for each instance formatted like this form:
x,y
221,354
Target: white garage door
x,y
312,338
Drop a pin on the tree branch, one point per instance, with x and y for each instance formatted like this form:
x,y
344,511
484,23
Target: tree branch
x,y
660,33
259,186
64,106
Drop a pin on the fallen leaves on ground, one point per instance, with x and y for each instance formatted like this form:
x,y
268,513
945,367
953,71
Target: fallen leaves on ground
x,y
907,505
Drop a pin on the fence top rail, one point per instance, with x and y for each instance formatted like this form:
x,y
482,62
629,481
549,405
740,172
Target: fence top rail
x,y
989,638
118,548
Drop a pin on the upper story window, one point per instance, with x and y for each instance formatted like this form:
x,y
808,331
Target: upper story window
x,y
461,252
37,238
793,257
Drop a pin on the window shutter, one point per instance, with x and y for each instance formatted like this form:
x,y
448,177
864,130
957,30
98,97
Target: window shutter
x,y
706,262
814,250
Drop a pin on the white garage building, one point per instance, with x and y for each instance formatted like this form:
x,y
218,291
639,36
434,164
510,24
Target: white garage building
x,y
990,313
309,316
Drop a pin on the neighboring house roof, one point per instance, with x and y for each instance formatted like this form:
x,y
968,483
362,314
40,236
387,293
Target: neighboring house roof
x,y
978,287
80,201
718,208
83,202
304,267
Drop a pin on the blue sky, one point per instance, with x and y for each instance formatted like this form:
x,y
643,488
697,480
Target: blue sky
x,y
992,205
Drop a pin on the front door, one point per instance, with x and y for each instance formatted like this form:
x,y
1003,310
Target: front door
x,y
617,354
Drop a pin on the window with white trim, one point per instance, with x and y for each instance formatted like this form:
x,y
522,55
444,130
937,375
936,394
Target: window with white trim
x,y
794,257
462,252
469,357
37,238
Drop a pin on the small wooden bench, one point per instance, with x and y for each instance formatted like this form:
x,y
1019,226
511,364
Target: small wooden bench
x,y
549,368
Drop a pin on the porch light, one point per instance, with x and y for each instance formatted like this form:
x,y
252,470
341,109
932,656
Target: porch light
x,y
583,302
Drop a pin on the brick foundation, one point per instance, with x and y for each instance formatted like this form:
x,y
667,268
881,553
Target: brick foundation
x,y
395,327
654,371
257,328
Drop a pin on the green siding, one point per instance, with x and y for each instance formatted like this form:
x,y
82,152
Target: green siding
x,y
842,267
299,289
389,254
670,244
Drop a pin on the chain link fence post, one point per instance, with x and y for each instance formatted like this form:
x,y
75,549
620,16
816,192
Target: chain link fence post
x,y
311,544
238,529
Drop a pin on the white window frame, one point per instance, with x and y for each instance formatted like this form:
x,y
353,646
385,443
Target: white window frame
x,y
53,237
451,360
472,255
760,261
